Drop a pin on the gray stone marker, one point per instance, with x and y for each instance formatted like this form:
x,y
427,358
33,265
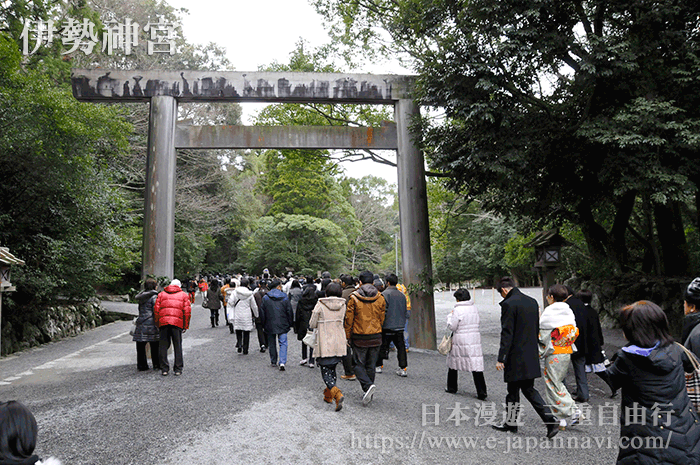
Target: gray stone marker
x,y
164,89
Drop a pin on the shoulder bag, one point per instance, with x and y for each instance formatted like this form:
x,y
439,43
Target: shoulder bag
x,y
692,380
445,345
310,338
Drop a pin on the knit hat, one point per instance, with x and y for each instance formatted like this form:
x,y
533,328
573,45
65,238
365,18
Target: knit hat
x,y
176,282
692,293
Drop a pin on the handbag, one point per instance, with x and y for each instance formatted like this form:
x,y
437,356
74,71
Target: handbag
x,y
205,301
310,338
445,345
692,380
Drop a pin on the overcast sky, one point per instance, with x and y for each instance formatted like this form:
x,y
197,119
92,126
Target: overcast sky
x,y
256,33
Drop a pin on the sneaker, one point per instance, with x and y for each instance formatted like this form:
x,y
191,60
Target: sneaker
x,y
311,365
378,369
239,350
165,373
577,417
348,377
281,366
273,364
263,349
402,372
367,398
304,362
178,373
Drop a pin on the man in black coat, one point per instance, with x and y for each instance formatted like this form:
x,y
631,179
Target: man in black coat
x,y
578,358
518,356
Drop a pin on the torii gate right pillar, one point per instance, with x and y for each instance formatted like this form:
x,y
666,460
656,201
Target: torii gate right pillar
x,y
415,232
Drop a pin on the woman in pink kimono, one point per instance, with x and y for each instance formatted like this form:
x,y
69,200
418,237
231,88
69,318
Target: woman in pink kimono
x,y
557,335
466,352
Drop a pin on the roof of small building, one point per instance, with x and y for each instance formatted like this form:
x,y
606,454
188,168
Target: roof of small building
x,y
6,258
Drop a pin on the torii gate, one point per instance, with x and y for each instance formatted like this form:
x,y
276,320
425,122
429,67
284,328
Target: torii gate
x,y
164,89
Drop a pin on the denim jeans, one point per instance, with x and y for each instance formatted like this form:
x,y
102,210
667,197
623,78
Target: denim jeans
x,y
272,347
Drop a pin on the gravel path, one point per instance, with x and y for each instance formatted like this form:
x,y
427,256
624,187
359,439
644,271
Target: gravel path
x,y
94,407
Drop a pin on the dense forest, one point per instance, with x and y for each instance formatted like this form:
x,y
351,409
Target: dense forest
x,y
580,116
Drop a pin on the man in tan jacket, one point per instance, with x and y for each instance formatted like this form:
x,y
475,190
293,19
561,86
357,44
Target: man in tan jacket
x,y
364,317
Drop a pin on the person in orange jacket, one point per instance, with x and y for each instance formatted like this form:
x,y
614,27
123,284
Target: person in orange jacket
x,y
172,314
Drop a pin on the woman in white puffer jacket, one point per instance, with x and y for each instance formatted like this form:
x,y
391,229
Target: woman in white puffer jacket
x,y
466,353
241,310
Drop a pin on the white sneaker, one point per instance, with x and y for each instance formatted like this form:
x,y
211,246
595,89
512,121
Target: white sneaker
x,y
367,398
576,417
311,365
378,369
401,372
304,362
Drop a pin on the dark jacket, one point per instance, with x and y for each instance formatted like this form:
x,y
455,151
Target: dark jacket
x,y
520,325
581,315
396,311
305,307
347,292
214,299
690,321
258,296
294,295
691,333
276,312
657,378
146,329
594,337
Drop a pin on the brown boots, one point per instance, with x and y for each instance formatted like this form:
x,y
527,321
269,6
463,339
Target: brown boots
x,y
327,396
338,396
330,394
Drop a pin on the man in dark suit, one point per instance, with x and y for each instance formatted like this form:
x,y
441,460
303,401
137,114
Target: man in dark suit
x,y
578,358
518,356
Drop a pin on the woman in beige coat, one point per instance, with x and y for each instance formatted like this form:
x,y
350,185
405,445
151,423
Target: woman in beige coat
x,y
331,345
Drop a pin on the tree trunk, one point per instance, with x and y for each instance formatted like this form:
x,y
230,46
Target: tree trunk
x,y
599,243
674,247
619,230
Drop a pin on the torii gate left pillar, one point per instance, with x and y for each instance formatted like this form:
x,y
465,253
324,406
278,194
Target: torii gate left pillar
x,y
159,209
164,89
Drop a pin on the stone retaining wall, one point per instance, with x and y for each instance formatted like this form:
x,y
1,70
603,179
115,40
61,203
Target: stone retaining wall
x,y
51,324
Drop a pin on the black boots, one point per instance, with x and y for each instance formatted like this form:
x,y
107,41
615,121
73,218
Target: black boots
x,y
213,322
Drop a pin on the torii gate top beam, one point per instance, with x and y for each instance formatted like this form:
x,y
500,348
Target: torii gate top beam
x,y
234,86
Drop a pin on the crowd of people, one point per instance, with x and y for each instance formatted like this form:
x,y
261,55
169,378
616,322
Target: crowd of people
x,y
358,321
353,321
651,370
